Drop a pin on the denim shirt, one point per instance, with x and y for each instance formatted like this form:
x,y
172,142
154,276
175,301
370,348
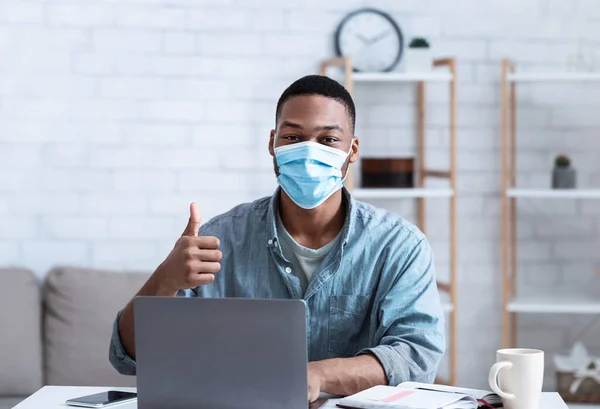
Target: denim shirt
x,y
375,293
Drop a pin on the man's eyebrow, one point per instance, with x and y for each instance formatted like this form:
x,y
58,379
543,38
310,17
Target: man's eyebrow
x,y
329,128
291,125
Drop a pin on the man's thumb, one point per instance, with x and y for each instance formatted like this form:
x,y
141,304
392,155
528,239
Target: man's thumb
x,y
194,222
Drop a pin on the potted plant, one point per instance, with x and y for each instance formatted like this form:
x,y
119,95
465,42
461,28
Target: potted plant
x,y
418,56
578,375
563,176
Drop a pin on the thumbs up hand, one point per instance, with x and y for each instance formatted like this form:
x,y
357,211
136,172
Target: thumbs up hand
x,y
194,260
194,221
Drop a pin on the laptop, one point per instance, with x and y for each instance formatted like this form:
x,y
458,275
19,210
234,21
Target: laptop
x,y
220,353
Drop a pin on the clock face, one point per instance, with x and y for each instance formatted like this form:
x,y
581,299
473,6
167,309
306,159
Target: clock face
x,y
371,38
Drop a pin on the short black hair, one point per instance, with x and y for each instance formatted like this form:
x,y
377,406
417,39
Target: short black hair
x,y
319,85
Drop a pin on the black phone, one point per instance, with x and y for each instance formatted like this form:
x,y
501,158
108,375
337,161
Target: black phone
x,y
102,400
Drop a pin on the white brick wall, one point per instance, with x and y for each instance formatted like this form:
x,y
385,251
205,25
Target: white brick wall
x,y
115,115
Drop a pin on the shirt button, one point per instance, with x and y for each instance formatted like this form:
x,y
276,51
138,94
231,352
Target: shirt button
x,y
288,270
270,242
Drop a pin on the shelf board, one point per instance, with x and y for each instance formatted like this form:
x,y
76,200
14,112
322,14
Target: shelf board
x,y
553,76
384,193
432,76
555,193
555,304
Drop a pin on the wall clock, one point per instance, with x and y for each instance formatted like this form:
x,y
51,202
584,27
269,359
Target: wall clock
x,y
371,38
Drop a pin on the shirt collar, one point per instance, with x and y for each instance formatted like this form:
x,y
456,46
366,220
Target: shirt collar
x,y
274,210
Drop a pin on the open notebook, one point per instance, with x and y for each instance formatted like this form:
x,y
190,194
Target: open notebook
x,y
413,395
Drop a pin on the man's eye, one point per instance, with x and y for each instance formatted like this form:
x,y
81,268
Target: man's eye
x,y
291,137
330,140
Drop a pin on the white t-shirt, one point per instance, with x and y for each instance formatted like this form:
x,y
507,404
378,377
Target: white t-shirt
x,y
304,260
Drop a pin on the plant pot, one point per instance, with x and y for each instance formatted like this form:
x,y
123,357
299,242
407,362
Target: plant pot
x,y
418,60
564,178
587,392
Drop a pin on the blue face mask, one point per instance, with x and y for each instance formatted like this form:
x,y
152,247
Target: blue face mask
x,y
310,172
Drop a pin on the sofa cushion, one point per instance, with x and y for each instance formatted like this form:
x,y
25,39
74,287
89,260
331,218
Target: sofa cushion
x,y
80,307
20,339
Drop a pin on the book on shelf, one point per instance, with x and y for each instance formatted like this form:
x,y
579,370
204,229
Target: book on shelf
x,y
415,395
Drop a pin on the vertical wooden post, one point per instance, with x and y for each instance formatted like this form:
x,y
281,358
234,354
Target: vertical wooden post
x,y
506,325
346,63
453,222
421,153
348,78
513,206
349,84
451,175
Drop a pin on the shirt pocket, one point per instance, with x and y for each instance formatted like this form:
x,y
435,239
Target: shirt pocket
x,y
348,329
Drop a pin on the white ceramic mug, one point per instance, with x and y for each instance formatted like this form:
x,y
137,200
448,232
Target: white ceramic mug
x,y
517,377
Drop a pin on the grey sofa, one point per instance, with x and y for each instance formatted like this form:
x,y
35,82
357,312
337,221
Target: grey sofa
x,y
57,332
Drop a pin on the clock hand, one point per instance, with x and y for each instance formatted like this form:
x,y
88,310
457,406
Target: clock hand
x,y
373,40
362,38
380,36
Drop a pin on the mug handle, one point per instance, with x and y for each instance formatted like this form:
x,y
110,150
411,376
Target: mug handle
x,y
493,379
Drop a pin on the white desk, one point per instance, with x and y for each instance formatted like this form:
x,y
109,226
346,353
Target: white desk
x,y
54,397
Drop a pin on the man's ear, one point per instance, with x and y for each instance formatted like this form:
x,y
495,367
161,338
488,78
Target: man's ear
x,y
354,154
272,143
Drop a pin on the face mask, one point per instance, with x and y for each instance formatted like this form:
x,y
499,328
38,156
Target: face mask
x,y
310,172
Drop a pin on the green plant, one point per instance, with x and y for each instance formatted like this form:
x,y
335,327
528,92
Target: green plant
x,y
418,42
562,161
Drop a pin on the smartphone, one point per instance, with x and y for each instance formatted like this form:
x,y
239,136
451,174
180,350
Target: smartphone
x,y
102,400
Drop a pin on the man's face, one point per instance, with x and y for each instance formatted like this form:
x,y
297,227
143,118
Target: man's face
x,y
316,119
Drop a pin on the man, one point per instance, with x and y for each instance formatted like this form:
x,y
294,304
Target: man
x,y
366,275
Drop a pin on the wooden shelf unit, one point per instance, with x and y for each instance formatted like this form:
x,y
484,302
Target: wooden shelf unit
x,y
512,303
421,193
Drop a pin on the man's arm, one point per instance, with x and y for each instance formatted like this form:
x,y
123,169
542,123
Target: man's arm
x,y
410,332
344,376
411,329
153,287
122,344
192,262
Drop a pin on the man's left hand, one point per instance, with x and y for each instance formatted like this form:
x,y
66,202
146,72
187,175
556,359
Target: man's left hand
x,y
315,381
